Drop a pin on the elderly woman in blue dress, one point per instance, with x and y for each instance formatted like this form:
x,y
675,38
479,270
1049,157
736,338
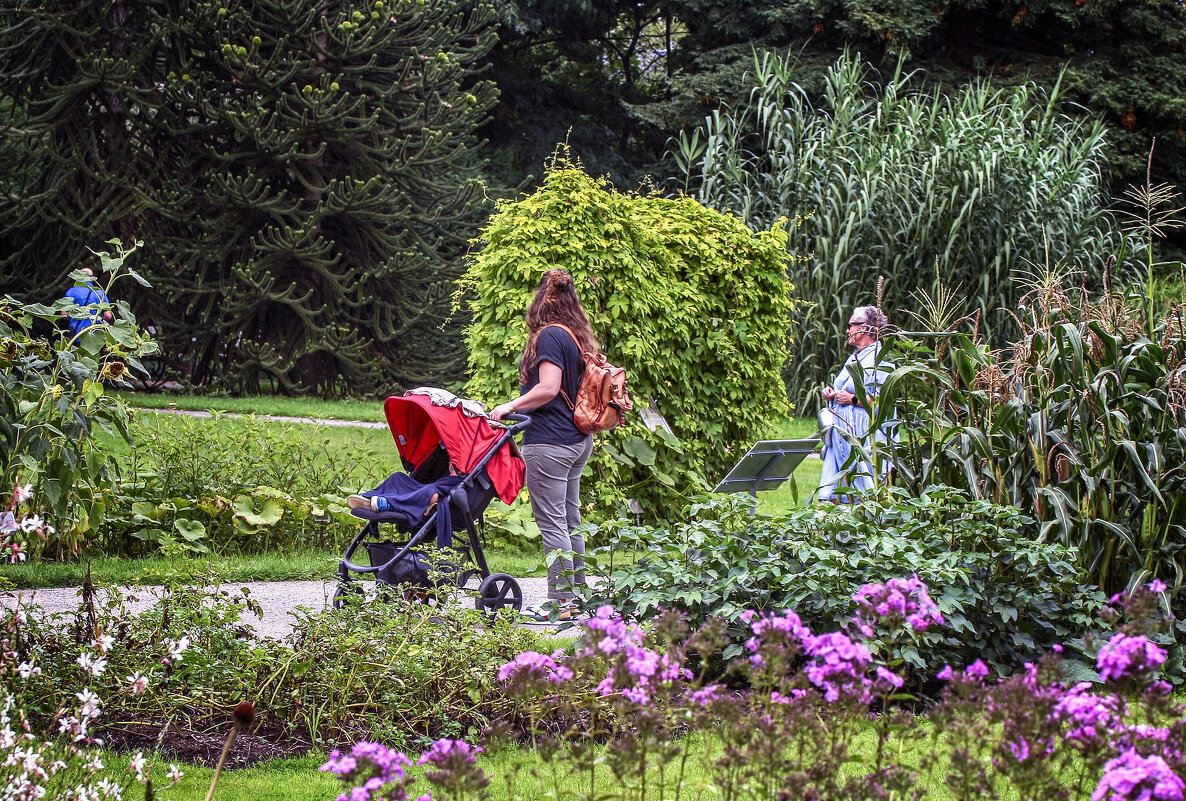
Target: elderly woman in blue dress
x,y
848,414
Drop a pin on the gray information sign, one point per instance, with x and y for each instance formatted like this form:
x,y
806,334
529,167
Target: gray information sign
x,y
766,465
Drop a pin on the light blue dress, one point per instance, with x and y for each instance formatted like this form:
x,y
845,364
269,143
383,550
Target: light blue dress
x,y
853,420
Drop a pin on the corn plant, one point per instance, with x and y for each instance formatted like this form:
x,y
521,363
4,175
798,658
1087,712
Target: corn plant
x,y
921,187
1080,422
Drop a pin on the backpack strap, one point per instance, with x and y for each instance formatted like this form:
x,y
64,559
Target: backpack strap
x,y
576,342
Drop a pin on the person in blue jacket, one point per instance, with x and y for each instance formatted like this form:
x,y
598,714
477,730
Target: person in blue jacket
x,y
91,297
849,412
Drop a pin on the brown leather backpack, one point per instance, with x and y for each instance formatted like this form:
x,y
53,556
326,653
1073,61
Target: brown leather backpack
x,y
602,398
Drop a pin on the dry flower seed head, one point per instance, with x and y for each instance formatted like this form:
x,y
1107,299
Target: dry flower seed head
x,y
244,715
7,350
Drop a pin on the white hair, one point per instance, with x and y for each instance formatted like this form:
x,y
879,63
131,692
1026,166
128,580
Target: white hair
x,y
871,316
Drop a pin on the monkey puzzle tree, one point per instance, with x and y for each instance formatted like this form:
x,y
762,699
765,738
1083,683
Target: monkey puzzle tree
x,y
303,172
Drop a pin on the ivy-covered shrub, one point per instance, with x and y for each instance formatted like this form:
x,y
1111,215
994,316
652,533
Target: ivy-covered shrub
x,y
52,396
1006,597
692,302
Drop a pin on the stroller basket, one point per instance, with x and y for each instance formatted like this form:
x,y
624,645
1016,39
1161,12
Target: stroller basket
x,y
463,461
417,569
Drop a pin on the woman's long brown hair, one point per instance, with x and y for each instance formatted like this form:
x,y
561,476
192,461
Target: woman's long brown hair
x,y
555,302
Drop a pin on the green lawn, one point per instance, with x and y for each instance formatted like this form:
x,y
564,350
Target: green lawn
x,y
299,779
362,410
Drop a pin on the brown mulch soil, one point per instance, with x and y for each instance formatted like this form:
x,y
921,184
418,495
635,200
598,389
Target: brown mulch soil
x,y
200,748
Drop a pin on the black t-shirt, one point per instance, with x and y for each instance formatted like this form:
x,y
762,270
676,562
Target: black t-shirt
x,y
551,424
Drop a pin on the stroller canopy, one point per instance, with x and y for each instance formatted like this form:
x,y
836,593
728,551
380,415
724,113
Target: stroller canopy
x,y
419,427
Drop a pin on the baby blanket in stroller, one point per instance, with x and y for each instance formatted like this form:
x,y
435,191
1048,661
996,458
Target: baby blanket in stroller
x,y
408,500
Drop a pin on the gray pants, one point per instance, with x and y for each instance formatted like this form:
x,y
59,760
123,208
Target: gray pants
x,y
554,483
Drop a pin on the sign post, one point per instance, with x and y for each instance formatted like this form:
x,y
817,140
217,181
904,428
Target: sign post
x,y
766,465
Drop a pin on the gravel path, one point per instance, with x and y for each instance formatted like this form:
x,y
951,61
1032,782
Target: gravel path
x,y
276,598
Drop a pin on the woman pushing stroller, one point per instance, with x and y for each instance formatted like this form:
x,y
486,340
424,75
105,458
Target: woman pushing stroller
x,y
554,449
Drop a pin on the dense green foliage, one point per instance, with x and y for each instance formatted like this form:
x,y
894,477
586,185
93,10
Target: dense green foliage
x,y
1006,597
684,58
52,398
400,671
914,186
252,487
304,175
1080,424
691,302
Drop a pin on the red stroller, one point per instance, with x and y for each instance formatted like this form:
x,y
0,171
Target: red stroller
x,y
451,444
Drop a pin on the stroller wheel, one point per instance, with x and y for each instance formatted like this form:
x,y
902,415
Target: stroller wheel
x,y
499,591
347,592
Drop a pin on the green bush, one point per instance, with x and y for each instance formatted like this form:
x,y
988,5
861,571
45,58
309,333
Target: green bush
x,y
52,396
399,671
1006,597
905,183
690,301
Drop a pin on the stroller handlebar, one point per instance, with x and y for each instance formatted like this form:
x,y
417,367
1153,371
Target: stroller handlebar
x,y
521,421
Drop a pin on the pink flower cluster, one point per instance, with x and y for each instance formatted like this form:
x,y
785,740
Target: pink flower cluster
x,y
444,751
638,671
1090,715
1129,657
838,666
778,631
533,665
368,770
889,604
1132,777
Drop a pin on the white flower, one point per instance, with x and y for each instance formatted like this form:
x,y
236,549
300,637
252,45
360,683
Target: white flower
x,y
91,665
176,649
109,789
21,494
95,765
175,773
31,524
139,683
137,766
46,528
104,643
90,704
8,523
27,669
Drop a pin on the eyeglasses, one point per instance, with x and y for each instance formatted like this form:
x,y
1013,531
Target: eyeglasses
x,y
851,323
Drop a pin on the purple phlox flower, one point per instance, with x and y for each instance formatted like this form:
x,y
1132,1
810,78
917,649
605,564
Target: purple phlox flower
x,y
976,670
1159,687
609,633
536,665
838,666
1020,748
387,763
945,674
1156,585
1132,777
778,698
1127,656
706,694
645,670
888,604
747,615
1089,715
778,630
888,679
443,750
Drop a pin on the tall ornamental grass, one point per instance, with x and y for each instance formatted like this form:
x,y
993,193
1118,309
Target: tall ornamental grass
x,y
912,184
